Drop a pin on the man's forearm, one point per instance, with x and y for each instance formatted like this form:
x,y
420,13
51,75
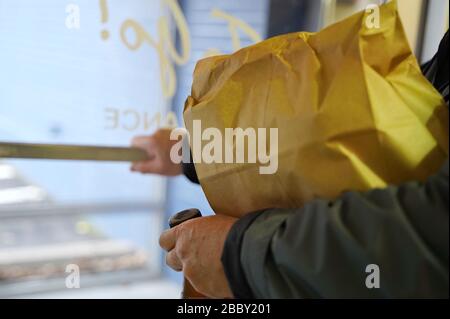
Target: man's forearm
x,y
323,249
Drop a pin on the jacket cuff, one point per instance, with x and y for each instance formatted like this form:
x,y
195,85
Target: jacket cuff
x,y
231,257
190,172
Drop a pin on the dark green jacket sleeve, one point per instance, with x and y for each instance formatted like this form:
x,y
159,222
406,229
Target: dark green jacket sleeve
x,y
323,249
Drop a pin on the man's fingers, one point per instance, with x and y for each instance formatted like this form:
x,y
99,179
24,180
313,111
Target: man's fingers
x,y
145,167
173,261
168,239
135,167
145,143
140,141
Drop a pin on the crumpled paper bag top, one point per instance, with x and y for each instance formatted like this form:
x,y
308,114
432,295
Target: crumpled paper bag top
x,y
353,110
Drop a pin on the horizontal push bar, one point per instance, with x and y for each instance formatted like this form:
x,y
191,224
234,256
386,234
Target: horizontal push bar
x,y
71,152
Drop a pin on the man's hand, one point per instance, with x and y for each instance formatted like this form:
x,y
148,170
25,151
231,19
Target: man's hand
x,y
158,147
195,248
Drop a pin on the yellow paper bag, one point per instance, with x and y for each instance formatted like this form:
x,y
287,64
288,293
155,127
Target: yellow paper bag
x,y
352,109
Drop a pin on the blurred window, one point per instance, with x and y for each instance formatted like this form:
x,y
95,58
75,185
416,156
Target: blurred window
x,y
69,76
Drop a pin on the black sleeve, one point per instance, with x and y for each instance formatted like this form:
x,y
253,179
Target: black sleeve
x,y
323,249
437,70
230,258
190,172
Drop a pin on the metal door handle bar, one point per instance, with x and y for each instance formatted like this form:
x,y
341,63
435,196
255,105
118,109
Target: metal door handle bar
x,y
71,152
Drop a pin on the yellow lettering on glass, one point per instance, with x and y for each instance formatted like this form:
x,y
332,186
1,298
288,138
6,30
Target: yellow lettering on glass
x,y
234,25
168,75
165,46
133,120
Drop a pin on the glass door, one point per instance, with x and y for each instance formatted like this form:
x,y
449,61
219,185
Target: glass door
x,y
71,75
